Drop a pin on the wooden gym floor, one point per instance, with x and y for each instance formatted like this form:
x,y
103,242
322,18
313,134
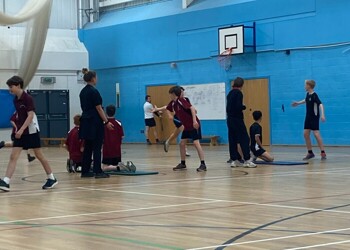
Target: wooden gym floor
x,y
270,207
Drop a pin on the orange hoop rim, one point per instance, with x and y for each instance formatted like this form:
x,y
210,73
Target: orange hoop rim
x,y
227,52
224,59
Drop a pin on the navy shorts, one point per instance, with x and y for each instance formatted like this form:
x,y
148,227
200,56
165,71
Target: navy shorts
x,y
259,152
27,141
177,122
150,122
195,134
111,161
312,123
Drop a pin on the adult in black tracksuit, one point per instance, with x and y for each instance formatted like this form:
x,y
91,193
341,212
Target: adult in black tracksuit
x,y
92,123
237,131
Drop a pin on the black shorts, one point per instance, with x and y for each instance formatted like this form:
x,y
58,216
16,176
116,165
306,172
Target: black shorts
x,y
112,161
177,122
195,134
259,152
150,122
27,141
312,123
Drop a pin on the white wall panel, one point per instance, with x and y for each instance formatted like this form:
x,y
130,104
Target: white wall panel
x,y
63,14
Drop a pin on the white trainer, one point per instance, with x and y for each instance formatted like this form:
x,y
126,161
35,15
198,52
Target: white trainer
x,y
166,146
236,164
249,164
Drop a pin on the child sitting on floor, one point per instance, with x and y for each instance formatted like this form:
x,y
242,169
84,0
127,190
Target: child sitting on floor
x,y
75,147
256,139
112,153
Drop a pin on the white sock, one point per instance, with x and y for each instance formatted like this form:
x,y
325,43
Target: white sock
x,y
50,176
7,180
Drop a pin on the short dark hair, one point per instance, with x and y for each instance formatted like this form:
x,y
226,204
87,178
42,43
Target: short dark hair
x,y
88,74
238,82
257,115
176,90
147,97
110,110
15,81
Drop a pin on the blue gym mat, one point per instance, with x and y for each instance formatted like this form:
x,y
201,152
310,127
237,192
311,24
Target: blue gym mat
x,y
285,163
137,172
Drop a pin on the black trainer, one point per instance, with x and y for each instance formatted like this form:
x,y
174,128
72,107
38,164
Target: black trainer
x,y
202,168
309,156
50,183
31,158
87,175
2,144
180,167
101,175
4,186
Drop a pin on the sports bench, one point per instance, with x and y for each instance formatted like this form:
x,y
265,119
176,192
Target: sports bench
x,y
212,140
47,140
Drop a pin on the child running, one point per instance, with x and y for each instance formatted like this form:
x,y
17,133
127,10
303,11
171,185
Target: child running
x,y
178,125
192,130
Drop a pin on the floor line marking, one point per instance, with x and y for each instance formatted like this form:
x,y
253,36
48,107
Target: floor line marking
x,y
155,183
172,181
215,178
320,245
106,212
216,200
272,239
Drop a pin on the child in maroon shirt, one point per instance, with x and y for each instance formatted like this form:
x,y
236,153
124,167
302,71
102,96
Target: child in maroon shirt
x,y
111,150
27,135
192,130
75,146
14,130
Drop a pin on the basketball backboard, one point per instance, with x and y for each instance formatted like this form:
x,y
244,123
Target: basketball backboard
x,y
231,37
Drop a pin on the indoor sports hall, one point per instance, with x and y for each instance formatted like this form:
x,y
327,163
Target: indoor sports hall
x,y
229,119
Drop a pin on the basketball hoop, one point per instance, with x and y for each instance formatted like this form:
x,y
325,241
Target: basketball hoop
x,y
225,59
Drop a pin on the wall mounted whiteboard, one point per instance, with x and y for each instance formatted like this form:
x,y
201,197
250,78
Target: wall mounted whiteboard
x,y
209,100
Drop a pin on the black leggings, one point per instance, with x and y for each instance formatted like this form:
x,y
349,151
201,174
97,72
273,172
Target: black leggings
x,y
237,134
92,148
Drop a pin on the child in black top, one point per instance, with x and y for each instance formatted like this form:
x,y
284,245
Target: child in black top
x,y
255,132
314,111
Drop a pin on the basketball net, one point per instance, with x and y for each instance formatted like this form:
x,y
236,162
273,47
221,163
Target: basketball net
x,y
225,59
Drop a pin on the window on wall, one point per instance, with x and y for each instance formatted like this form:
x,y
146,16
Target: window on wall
x,y
106,5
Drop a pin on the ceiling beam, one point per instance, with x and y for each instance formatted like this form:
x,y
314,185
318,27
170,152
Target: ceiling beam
x,y
106,3
186,3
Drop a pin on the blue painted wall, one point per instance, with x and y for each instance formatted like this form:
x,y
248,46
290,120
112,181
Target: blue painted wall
x,y
135,47
6,102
